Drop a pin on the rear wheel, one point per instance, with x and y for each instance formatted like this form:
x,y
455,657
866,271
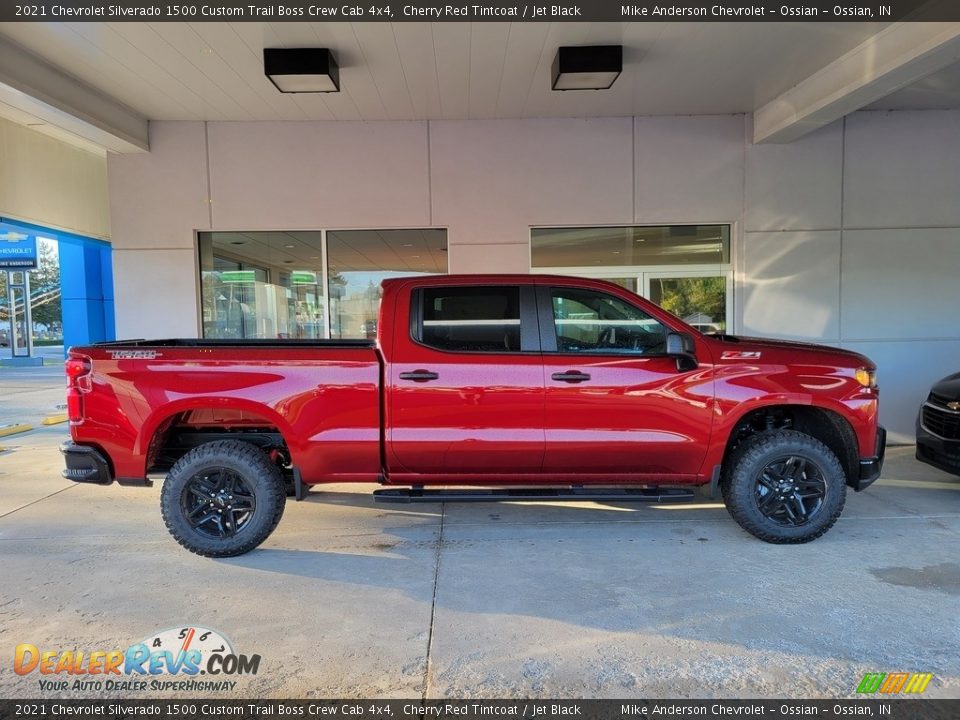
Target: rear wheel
x,y
222,498
784,487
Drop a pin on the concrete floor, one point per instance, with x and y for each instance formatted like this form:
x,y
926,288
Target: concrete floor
x,y
348,598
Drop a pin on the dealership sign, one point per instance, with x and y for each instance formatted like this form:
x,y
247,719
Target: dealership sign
x,y
18,249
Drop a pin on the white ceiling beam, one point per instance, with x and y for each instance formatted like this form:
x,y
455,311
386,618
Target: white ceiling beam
x,y
895,57
35,87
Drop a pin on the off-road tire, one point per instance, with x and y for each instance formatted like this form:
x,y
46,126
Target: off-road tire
x,y
739,485
257,471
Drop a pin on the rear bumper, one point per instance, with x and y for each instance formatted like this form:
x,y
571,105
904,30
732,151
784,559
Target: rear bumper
x,y
85,464
939,452
871,467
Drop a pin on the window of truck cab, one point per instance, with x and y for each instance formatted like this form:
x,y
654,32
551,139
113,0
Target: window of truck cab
x,y
592,322
473,318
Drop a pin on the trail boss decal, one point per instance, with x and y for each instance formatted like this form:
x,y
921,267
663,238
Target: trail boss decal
x,y
134,354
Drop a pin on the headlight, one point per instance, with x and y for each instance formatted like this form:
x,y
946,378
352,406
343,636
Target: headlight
x,y
867,378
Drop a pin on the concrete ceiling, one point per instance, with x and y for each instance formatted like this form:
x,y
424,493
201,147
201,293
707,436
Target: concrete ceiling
x,y
400,71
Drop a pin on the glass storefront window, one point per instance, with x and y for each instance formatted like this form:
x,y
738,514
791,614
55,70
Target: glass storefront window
x,y
273,285
683,268
630,246
360,259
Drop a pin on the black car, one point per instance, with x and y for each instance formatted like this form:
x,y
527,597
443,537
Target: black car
x,y
938,426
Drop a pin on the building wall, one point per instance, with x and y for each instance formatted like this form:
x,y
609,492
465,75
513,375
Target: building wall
x,y
847,236
47,182
851,237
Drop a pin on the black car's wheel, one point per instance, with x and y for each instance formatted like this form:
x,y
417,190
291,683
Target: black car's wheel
x,y
222,498
784,487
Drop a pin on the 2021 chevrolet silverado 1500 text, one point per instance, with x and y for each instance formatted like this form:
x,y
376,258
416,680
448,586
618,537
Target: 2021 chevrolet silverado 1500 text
x,y
534,385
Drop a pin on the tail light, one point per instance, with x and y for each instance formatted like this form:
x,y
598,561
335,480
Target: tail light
x,y
79,369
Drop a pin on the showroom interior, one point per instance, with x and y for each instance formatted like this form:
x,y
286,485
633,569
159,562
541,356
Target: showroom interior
x,y
794,181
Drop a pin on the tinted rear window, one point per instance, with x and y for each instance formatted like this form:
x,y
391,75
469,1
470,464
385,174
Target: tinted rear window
x,y
477,319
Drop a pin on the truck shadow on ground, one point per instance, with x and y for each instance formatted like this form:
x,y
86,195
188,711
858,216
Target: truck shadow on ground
x,y
699,578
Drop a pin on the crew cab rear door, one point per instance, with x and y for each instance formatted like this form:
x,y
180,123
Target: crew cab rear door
x,y
465,382
617,407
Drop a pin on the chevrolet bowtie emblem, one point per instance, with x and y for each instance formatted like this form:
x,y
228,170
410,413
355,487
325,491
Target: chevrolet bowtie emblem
x,y
953,405
11,236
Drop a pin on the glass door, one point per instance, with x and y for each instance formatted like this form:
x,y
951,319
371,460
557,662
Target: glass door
x,y
703,299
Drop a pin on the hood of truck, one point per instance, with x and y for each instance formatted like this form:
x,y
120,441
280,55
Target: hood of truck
x,y
736,347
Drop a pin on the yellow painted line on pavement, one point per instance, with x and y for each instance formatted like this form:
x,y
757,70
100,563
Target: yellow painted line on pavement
x,y
919,484
14,429
54,419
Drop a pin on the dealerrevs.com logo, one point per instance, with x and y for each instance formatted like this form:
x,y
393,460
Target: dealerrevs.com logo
x,y
179,653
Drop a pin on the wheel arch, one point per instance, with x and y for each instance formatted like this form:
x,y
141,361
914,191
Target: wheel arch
x,y
260,425
823,424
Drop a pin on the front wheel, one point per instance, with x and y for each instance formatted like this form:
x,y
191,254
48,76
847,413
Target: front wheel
x,y
222,498
784,487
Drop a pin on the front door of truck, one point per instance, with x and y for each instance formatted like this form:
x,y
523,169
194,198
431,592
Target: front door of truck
x,y
617,407
465,385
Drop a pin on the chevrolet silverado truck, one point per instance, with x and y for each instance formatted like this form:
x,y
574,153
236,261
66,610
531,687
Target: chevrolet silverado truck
x,y
479,388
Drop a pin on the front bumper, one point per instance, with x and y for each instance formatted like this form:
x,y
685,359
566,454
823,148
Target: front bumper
x,y
939,452
870,467
85,464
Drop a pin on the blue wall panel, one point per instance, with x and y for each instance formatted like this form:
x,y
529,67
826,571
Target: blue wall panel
x,y
86,286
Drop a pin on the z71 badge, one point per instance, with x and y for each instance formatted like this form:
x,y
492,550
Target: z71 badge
x,y
134,354
740,355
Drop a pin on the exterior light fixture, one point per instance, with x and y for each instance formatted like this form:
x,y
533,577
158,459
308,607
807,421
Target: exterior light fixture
x,y
592,67
302,70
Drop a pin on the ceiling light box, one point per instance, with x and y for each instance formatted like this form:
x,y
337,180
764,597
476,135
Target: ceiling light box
x,y
302,70
591,67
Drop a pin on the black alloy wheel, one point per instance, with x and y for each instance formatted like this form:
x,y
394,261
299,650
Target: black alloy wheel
x,y
223,498
784,486
218,503
791,490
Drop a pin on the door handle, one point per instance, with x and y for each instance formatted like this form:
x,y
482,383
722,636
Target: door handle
x,y
419,375
571,376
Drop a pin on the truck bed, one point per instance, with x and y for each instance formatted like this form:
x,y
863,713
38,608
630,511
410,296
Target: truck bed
x,y
320,397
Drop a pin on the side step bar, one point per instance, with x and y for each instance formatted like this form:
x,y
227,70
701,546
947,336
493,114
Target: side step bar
x,y
574,494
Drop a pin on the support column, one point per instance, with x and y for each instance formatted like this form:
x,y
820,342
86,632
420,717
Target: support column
x,y
86,291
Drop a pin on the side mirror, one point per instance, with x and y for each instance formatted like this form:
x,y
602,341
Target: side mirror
x,y
681,346
674,344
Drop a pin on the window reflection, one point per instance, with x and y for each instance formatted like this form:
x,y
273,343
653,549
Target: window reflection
x,y
637,245
272,285
360,260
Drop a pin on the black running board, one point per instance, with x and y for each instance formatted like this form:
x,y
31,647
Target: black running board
x,y
420,495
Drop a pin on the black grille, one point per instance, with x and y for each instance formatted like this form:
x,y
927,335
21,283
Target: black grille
x,y
944,423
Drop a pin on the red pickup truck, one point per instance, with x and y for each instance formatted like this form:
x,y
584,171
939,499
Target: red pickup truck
x,y
526,385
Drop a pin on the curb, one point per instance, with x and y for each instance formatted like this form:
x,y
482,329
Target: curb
x,y
14,429
54,419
